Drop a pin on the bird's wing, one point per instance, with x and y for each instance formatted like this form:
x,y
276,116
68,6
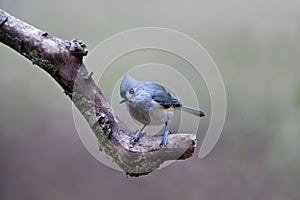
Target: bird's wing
x,y
162,96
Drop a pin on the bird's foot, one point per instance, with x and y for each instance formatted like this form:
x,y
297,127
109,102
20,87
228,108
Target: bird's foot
x,y
136,137
164,139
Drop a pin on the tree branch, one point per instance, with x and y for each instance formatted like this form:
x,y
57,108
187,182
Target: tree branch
x,y
63,61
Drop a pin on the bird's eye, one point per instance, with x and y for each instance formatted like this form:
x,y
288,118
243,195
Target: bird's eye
x,y
131,91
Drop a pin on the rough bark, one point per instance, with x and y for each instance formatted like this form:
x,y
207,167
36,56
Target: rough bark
x,y
62,59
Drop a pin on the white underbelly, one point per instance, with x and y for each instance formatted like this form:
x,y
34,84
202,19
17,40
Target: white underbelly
x,y
160,115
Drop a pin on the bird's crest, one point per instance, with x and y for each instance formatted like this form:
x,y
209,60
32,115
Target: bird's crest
x,y
127,83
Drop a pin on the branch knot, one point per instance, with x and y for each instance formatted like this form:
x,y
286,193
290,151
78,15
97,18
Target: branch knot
x,y
78,48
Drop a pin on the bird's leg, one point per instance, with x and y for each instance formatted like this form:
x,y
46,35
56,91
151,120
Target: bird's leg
x,y
137,135
164,141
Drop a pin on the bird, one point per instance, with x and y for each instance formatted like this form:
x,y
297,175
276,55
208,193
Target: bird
x,y
151,104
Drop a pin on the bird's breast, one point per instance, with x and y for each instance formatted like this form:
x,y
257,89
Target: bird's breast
x,y
140,112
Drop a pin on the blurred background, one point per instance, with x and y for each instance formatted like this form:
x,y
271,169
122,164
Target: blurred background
x,y
256,47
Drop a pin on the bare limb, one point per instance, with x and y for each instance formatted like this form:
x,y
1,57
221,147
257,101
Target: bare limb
x,y
62,59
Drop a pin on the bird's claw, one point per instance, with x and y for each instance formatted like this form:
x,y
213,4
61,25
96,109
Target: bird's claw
x,y
133,140
164,139
163,143
136,138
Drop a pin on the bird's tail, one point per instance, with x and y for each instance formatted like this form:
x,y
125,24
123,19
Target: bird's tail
x,y
192,111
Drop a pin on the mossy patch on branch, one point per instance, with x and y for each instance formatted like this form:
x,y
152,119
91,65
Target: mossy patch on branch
x,y
44,64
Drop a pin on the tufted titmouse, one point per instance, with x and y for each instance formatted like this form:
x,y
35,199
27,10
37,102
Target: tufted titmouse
x,y
151,104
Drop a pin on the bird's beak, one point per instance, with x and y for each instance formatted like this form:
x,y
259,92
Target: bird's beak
x,y
123,100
